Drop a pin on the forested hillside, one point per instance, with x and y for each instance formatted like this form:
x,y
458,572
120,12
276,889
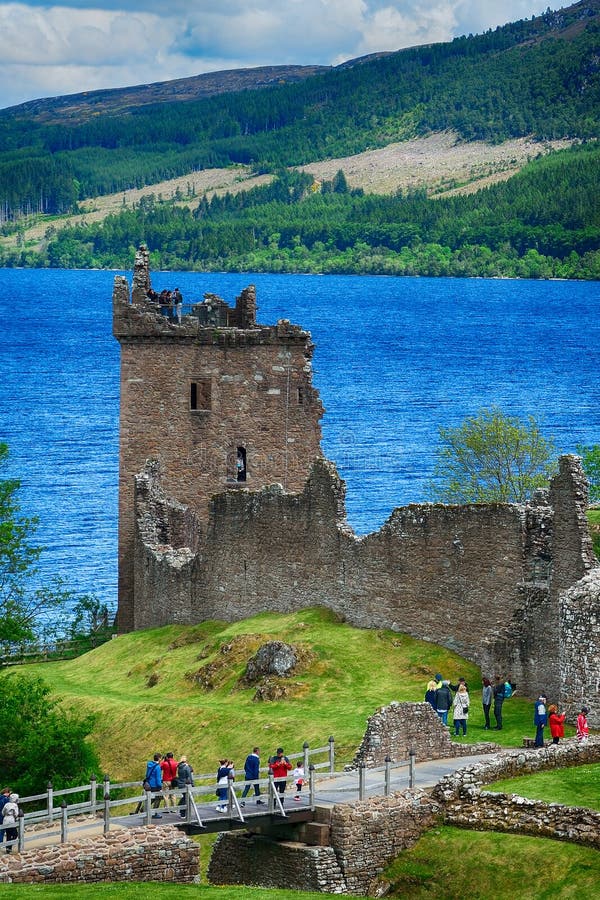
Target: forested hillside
x,y
537,77
542,223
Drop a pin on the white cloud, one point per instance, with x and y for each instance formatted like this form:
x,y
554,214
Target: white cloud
x,y
90,44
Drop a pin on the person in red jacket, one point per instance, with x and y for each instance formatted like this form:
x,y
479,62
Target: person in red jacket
x,y
280,765
557,723
168,767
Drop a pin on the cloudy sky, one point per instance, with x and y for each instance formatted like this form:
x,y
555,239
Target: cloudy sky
x,y
80,45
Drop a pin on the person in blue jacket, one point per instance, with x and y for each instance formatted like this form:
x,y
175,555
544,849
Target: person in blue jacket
x,y
540,718
154,778
252,773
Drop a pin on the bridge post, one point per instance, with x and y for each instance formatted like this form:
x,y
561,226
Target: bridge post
x,y
271,806
411,768
361,781
388,773
64,823
106,813
93,803
188,803
305,761
331,755
311,787
50,801
147,807
106,784
230,792
21,831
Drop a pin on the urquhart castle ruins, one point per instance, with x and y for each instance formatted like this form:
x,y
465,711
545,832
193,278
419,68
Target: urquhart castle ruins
x,y
227,508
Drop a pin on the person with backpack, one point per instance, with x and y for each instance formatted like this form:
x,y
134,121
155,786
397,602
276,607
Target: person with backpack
x,y
153,780
168,766
4,798
443,701
498,701
10,818
185,776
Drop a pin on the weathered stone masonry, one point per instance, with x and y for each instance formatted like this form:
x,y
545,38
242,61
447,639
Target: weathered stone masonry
x,y
484,580
135,854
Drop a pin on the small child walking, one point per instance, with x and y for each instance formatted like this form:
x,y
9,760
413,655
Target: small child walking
x,y
583,730
556,722
298,776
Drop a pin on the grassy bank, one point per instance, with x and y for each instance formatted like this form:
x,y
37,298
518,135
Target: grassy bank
x,y
180,688
451,863
575,786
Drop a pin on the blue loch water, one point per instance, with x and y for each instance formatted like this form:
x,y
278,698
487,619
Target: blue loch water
x,y
395,358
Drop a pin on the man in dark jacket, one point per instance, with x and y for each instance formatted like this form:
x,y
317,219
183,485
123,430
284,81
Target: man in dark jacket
x,y
498,701
443,701
4,798
185,776
252,773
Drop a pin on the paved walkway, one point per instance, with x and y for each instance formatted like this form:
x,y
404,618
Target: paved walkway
x,y
329,791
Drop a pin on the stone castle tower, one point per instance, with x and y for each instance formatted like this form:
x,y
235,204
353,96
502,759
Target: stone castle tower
x,y
218,401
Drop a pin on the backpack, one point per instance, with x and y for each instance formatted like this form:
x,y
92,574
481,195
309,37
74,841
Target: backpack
x,y
508,691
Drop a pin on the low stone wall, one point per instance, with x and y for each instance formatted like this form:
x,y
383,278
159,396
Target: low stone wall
x,y
369,834
466,805
400,728
243,858
137,854
364,837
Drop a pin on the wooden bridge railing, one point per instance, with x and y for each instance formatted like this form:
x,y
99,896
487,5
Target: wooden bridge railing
x,y
117,810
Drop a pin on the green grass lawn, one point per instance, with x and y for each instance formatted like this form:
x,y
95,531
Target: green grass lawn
x,y
149,890
141,687
574,786
137,685
452,863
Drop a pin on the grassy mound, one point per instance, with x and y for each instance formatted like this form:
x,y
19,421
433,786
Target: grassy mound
x,y
450,863
575,786
180,688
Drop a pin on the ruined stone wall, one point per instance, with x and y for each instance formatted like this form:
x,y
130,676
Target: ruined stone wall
x,y
190,396
245,858
465,804
579,648
396,730
365,836
478,579
136,854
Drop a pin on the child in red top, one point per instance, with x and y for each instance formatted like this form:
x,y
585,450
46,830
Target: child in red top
x,y
582,724
557,724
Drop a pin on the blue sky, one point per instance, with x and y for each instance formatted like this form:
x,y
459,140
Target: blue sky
x,y
83,45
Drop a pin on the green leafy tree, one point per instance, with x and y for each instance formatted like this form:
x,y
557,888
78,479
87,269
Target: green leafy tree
x,y
26,610
590,457
491,458
41,741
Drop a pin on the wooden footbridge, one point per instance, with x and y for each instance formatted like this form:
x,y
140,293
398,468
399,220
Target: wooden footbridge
x,y
98,807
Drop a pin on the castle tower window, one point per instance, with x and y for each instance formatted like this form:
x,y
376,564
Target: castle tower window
x,y
240,464
300,396
200,394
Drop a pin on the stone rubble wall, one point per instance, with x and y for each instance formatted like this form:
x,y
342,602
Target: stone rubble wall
x,y
137,854
252,859
394,731
579,648
369,834
364,837
467,806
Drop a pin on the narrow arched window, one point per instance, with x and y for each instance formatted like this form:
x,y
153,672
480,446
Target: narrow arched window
x,y
240,464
